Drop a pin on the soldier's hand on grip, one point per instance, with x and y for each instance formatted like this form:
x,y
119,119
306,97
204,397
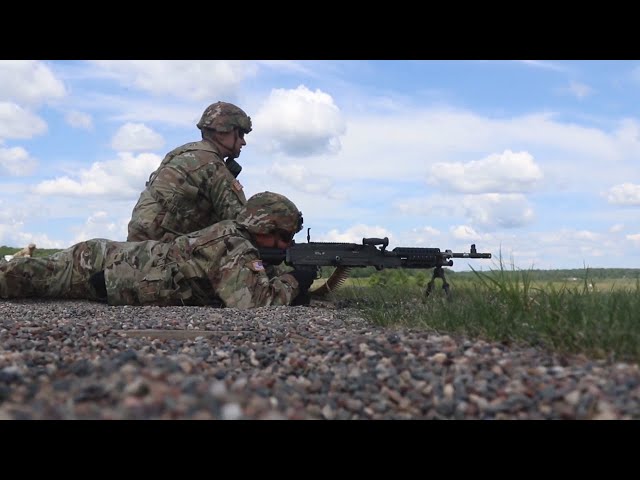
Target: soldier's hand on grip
x,y
305,279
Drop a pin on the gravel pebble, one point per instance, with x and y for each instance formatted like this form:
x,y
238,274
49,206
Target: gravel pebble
x,y
84,360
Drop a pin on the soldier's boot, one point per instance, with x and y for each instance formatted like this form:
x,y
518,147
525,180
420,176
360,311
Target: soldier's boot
x,y
4,291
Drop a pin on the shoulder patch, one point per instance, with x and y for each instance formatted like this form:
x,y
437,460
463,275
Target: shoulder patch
x,y
237,186
256,265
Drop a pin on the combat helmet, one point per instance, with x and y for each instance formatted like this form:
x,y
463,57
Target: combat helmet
x,y
224,117
267,212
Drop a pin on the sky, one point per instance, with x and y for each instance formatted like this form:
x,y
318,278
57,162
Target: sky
x,y
535,161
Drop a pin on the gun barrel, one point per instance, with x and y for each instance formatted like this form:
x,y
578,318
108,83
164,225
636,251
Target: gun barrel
x,y
471,255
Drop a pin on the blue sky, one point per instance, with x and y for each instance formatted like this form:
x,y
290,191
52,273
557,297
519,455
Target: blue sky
x,y
538,160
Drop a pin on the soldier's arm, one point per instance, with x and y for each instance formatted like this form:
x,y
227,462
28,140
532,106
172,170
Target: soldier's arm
x,y
241,281
225,194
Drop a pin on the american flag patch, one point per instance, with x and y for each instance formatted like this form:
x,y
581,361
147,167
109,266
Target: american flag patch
x,y
256,266
237,186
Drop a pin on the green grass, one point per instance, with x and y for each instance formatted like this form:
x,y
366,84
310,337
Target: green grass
x,y
599,319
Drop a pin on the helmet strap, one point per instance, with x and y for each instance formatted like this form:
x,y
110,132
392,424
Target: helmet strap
x,y
216,139
236,137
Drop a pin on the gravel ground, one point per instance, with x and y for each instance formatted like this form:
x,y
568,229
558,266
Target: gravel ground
x,y
83,360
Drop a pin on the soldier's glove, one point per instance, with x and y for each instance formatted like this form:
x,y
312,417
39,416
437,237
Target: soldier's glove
x,y
305,279
303,298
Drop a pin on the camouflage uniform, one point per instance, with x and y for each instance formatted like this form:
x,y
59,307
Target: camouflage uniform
x,y
218,265
193,187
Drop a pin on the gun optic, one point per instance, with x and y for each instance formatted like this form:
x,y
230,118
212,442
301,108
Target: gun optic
x,y
384,242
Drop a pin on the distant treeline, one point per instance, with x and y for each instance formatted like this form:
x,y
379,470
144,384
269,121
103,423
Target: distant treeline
x,y
533,275
40,252
574,274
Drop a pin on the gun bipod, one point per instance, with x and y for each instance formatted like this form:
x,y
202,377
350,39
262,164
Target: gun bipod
x,y
438,272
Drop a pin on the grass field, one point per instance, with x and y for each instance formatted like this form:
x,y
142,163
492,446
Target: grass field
x,y
600,285
600,318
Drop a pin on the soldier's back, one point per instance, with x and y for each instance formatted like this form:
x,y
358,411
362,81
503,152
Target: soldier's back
x,y
176,201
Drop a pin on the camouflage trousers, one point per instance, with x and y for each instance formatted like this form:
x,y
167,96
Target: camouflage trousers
x,y
144,273
133,275
62,275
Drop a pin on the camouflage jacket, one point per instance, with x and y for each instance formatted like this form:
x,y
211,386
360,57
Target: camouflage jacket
x,y
218,265
191,189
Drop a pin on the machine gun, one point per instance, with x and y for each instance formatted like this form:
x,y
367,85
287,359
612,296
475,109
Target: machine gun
x,y
372,253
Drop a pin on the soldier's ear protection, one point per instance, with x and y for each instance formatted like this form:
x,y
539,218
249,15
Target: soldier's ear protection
x,y
300,222
285,236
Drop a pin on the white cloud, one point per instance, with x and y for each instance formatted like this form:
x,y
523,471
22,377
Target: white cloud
x,y
123,178
16,122
544,65
16,161
209,80
12,234
102,224
136,137
427,230
506,172
492,210
42,240
7,232
618,227
431,205
355,234
464,232
422,236
29,82
624,194
301,178
489,210
299,123
635,238
628,132
586,235
579,90
287,66
407,144
141,109
11,213
570,237
564,248
79,120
